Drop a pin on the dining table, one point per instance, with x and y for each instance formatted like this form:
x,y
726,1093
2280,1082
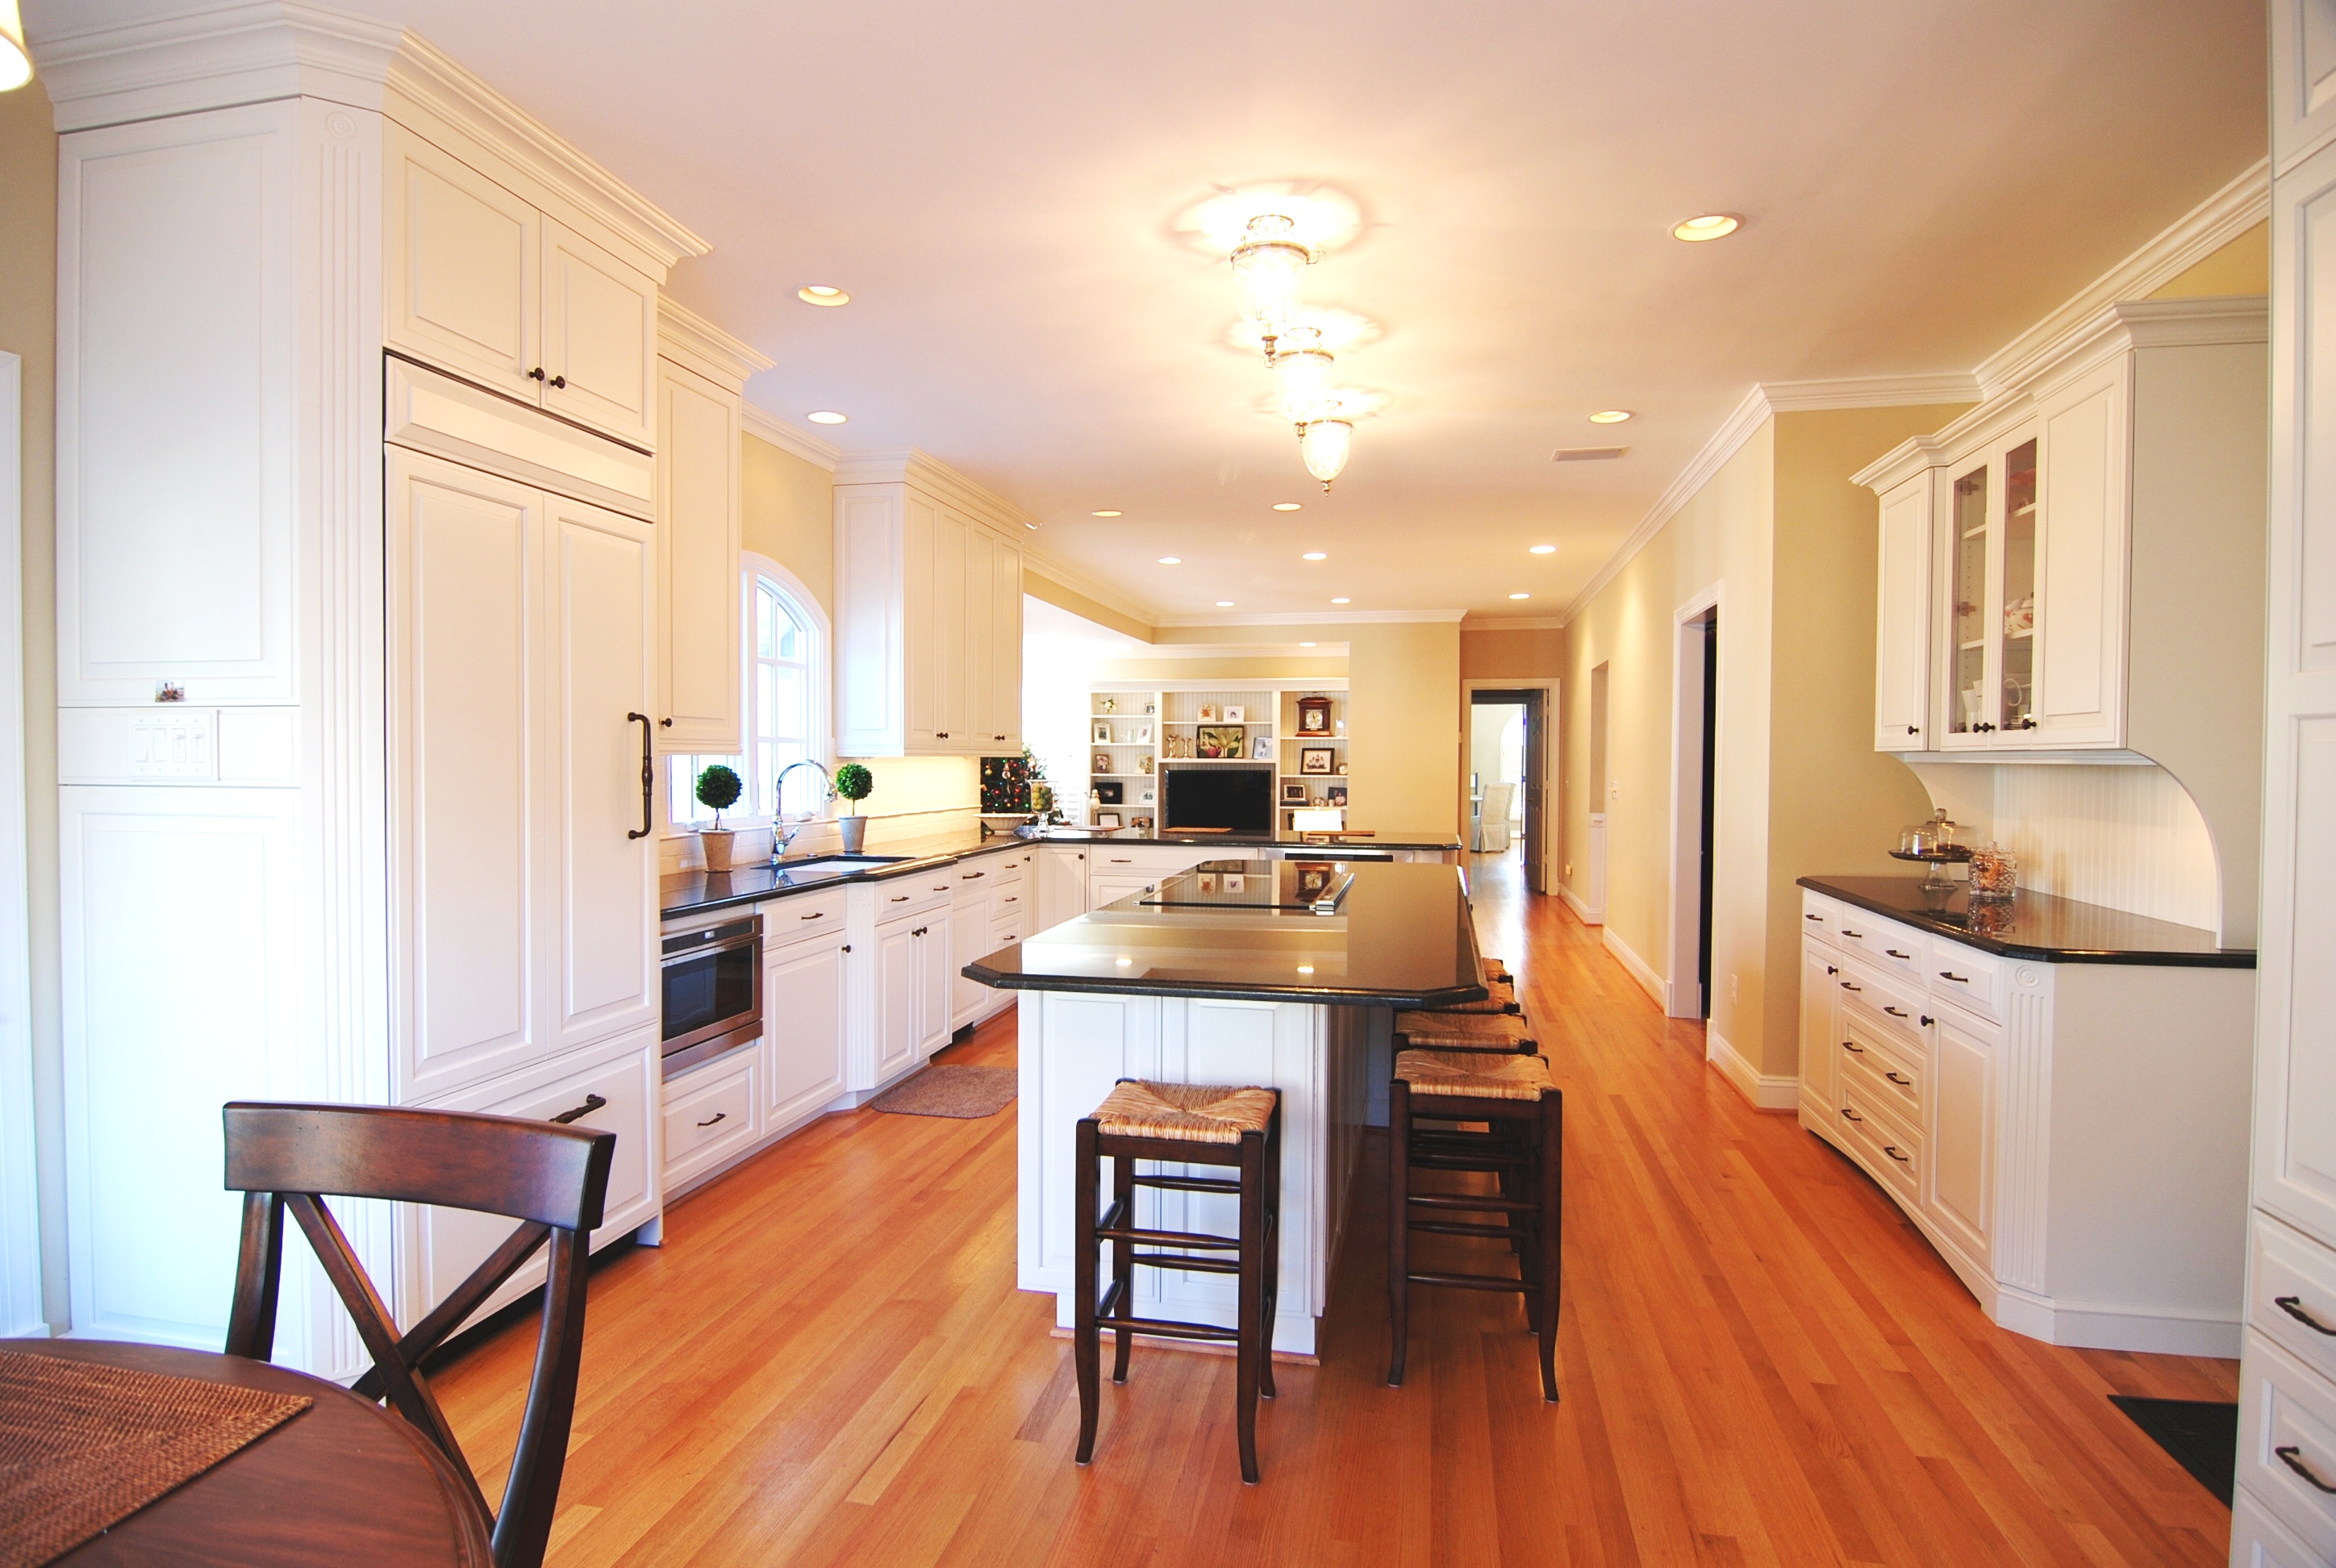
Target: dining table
x,y
343,1482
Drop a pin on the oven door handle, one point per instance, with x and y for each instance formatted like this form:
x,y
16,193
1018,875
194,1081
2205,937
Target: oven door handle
x,y
649,771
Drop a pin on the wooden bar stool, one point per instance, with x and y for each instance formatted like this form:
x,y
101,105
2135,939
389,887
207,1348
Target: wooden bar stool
x,y
1441,1031
1192,1125
1513,1093
1503,999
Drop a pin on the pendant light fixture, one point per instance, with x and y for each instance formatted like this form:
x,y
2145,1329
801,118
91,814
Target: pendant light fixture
x,y
15,62
1302,375
1267,264
1324,444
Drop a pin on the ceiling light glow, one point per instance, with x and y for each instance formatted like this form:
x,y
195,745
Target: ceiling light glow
x,y
1320,217
1342,601
1289,506
1308,645
1710,226
1315,555
1172,560
1542,549
1224,604
823,294
1325,445
825,416
1340,329
1610,416
1106,512
1519,596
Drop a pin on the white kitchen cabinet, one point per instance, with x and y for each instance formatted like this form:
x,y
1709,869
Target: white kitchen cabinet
x,y
712,1116
804,1028
929,617
1902,640
479,281
1820,1035
1061,873
1105,888
701,381
935,986
900,948
1959,1193
968,929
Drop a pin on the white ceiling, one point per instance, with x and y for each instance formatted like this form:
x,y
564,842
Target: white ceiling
x,y
995,185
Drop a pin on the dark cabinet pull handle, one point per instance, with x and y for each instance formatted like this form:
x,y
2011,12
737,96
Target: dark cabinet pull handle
x,y
970,875
847,947
1852,1048
1853,1115
900,898
1893,1012
1812,917
1913,729
1895,953
1959,980
2027,724
1848,986
592,1104
714,1118
821,916
648,766
2290,1457
1901,1083
2293,1307
1891,1150
1859,936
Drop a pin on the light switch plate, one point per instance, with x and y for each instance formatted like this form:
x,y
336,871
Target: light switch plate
x,y
182,744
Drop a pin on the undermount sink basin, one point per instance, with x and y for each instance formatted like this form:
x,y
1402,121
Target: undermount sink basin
x,y
826,868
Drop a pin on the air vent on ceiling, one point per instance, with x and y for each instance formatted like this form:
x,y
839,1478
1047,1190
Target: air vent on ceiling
x,y
1586,453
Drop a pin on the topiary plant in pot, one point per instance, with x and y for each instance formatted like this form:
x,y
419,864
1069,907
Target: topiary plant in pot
x,y
853,781
718,787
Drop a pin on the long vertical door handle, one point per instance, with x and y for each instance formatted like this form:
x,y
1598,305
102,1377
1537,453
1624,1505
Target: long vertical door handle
x,y
648,771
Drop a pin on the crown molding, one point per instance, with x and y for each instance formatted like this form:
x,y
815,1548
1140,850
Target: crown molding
x,y
907,465
435,81
1087,587
1320,617
817,451
2197,234
1512,623
1234,650
1871,392
689,340
213,59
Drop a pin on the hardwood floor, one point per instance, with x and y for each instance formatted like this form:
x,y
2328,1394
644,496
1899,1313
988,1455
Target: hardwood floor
x,y
1761,1363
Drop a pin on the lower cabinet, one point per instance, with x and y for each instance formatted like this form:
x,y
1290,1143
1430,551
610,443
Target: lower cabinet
x,y
1061,873
1820,1039
969,929
802,1029
1103,889
1960,1192
899,948
936,985
709,1117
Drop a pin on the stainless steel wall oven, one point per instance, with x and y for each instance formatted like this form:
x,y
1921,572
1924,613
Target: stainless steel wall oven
x,y
713,991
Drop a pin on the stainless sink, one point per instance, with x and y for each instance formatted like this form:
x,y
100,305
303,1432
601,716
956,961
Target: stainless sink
x,y
827,868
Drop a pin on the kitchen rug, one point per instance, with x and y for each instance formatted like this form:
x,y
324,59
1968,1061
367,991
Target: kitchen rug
x,y
966,1093
2203,1435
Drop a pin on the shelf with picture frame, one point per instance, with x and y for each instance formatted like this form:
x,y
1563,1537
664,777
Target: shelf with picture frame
x,y
1179,724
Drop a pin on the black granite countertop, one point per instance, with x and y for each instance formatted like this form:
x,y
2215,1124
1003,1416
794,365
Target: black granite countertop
x,y
1402,937
2040,926
690,893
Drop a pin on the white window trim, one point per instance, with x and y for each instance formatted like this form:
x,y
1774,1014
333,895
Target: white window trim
x,y
823,682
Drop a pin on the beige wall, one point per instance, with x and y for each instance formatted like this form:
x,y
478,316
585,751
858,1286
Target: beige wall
x,y
1535,654
2242,267
1038,585
788,511
28,314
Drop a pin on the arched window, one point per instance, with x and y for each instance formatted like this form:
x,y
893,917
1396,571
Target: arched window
x,y
785,642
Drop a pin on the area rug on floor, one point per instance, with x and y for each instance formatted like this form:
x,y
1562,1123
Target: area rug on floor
x,y
968,1093
2203,1435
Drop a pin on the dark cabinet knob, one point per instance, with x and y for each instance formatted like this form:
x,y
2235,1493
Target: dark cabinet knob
x,y
1913,729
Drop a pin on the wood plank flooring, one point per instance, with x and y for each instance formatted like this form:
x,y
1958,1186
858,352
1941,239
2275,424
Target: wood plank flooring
x,y
1761,1362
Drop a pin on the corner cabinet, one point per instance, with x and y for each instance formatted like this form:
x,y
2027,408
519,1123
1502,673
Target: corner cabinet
x,y
929,617
2012,544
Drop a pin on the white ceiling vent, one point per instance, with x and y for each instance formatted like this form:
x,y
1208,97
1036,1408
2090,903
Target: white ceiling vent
x,y
1586,453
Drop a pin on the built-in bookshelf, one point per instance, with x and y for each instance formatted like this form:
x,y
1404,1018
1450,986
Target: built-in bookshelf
x,y
1133,731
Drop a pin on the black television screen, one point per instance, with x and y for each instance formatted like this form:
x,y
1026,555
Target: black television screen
x,y
1236,798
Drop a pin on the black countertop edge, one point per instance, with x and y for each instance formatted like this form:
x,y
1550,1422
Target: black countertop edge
x,y
1319,996
1922,919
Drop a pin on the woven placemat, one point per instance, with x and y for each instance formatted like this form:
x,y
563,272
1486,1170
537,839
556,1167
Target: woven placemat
x,y
83,1447
949,1090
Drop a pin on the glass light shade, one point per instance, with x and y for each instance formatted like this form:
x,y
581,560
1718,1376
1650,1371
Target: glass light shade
x,y
1266,267
1302,375
1324,445
16,64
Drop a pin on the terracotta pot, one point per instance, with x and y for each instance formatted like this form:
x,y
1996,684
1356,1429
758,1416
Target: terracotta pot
x,y
854,829
716,846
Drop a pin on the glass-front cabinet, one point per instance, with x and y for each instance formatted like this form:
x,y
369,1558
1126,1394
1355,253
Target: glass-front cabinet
x,y
1989,530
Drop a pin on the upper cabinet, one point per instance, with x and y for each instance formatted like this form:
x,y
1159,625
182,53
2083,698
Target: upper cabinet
x,y
701,376
928,612
2015,545
2302,79
480,281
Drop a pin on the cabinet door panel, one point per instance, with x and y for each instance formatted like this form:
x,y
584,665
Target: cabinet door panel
x,y
2080,569
1062,875
896,998
969,926
1962,1133
922,635
177,433
982,705
462,671
1902,677
803,1040
1820,1044
871,569
1006,652
945,667
698,542
936,976
462,267
599,338
600,608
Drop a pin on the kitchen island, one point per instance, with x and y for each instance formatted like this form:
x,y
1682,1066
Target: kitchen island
x,y
1278,974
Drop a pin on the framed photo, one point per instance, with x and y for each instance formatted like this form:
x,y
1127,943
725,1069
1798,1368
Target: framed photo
x,y
1338,795
1223,741
1315,759
1141,825
1204,882
1142,736
1102,732
1111,791
1261,749
1208,713
1102,761
1106,819
1236,714
1293,792
1313,881
1145,797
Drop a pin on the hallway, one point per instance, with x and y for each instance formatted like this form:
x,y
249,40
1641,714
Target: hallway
x,y
1762,1363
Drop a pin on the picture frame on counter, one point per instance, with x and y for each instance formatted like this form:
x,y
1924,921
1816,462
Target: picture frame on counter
x,y
1315,759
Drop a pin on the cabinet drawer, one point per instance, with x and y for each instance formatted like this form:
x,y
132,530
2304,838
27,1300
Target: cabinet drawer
x,y
1149,862
1817,915
1883,1077
2258,1540
803,917
1971,977
902,897
709,1115
1885,1148
1887,945
2287,1438
1887,1002
2292,1281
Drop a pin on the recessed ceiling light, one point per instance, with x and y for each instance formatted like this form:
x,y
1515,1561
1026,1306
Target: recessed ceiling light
x,y
1519,596
1106,513
1610,416
825,416
1542,549
1289,506
1342,601
1314,555
1172,560
1307,645
821,294
1710,226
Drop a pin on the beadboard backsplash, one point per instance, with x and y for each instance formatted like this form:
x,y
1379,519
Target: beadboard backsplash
x,y
2128,837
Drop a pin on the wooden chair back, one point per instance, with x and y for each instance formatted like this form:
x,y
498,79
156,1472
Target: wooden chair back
x,y
554,1179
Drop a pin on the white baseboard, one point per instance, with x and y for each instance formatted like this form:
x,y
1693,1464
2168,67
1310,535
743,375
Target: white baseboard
x,y
1648,981
1582,911
1766,1094
2096,1326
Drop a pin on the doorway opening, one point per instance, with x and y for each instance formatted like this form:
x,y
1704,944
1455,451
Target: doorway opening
x,y
1693,795
1508,766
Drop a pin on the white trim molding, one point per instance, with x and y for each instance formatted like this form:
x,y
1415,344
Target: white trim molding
x,y
1738,428
1472,621
695,344
765,426
20,1209
1871,392
1683,997
1086,587
907,465
1317,617
1636,967
1766,1092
